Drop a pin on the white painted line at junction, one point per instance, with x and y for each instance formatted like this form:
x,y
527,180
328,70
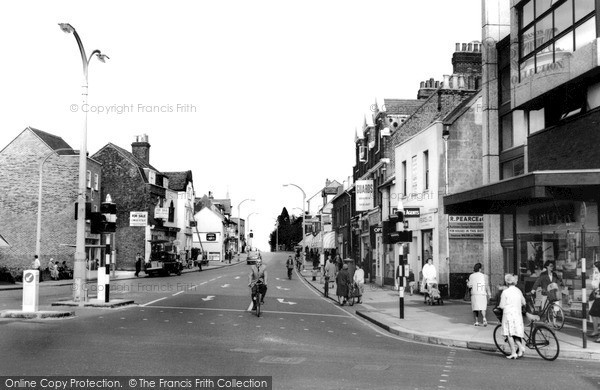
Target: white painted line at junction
x,y
156,300
177,293
244,310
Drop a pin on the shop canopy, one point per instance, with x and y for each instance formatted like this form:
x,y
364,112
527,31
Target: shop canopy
x,y
505,196
329,240
307,241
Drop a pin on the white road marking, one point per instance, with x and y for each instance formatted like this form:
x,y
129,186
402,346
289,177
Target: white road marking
x,y
282,288
237,277
239,310
209,298
177,293
156,300
282,300
225,286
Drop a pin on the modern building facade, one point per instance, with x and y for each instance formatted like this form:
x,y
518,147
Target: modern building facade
x,y
541,172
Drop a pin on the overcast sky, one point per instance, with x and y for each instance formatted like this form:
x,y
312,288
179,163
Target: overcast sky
x,y
249,95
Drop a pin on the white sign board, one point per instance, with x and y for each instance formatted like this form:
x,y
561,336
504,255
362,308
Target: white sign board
x,y
31,287
138,218
364,195
161,213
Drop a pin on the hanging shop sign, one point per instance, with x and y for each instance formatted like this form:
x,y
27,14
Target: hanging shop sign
x,y
364,195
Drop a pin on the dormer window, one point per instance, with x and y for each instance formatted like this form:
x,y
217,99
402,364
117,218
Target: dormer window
x,y
362,153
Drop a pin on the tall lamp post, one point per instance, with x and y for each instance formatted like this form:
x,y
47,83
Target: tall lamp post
x,y
445,136
303,211
240,224
79,264
38,235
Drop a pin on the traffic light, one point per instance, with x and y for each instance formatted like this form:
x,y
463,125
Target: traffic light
x,y
251,234
394,229
109,217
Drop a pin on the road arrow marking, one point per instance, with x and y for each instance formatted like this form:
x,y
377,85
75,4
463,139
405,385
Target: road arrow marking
x,y
209,298
281,300
225,285
282,288
237,277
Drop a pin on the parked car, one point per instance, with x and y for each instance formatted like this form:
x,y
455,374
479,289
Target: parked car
x,y
252,257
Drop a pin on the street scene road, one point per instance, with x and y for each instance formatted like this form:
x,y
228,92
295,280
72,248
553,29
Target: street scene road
x,y
199,323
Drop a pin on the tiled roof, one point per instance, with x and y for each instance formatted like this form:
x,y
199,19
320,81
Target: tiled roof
x,y
139,162
178,180
54,142
402,106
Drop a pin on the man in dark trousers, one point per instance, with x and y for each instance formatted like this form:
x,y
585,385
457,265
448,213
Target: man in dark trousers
x,y
138,264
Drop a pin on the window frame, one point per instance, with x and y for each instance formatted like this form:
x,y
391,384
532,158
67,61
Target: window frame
x,y
531,26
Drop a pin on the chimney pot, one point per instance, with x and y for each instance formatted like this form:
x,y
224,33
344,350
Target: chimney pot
x,y
464,47
437,84
457,47
470,47
422,84
446,84
461,82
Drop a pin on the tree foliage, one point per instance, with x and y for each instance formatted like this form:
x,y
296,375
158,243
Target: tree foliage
x,y
288,232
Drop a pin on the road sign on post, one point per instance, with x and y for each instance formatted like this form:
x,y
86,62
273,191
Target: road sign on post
x,y
31,289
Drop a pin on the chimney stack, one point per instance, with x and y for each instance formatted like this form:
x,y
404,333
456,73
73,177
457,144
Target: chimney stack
x,y
467,58
428,87
141,148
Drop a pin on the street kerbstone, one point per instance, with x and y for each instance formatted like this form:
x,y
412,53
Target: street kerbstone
x,y
44,314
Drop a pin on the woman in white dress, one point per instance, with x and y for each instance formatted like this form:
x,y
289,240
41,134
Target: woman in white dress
x,y
511,301
480,292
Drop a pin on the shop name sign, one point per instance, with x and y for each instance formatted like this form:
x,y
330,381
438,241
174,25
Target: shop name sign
x,y
138,218
364,195
465,226
412,212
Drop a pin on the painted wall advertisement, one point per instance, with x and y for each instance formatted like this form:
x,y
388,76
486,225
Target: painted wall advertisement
x,y
465,226
364,195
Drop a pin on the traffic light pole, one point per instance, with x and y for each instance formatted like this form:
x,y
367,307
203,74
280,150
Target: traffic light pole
x,y
401,285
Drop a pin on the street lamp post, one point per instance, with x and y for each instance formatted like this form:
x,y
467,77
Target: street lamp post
x,y
303,211
445,136
240,224
79,264
38,236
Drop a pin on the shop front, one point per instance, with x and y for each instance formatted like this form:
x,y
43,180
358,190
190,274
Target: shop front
x,y
545,216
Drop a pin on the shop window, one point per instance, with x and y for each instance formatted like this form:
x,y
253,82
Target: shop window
x,y
507,227
426,169
171,212
88,179
404,179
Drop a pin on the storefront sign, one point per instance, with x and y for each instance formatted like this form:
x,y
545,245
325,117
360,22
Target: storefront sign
x,y
364,195
465,226
412,212
557,214
138,218
161,213
211,237
426,222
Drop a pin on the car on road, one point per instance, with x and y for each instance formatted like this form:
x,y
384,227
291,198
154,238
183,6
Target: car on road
x,y
252,257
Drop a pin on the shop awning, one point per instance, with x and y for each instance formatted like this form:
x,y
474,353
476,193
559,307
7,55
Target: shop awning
x,y
307,241
505,196
316,241
329,240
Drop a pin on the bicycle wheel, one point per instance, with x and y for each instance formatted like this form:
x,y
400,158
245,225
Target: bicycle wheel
x,y
501,341
545,342
257,297
555,316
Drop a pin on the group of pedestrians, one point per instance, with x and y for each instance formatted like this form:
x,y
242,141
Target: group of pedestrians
x,y
347,285
54,269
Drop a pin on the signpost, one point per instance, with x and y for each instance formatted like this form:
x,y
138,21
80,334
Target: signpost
x,y
31,289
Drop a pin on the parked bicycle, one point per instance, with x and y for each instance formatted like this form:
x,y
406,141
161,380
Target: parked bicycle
x,y
538,336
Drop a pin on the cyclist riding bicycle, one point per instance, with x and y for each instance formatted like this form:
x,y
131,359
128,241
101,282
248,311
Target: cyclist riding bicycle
x,y
257,279
290,266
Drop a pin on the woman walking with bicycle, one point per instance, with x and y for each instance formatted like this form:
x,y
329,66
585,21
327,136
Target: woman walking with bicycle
x,y
511,301
546,279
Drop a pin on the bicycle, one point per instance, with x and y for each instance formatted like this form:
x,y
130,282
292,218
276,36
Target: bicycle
x,y
256,299
539,336
553,314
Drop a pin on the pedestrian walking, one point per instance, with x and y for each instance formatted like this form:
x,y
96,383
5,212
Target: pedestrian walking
x,y
36,265
53,268
290,266
342,281
359,281
479,285
338,263
138,264
329,274
511,301
429,275
595,296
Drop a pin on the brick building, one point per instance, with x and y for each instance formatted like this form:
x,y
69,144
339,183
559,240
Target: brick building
x,y
182,184
20,162
136,186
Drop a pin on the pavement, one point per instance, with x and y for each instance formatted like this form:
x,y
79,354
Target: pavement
x,y
450,324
